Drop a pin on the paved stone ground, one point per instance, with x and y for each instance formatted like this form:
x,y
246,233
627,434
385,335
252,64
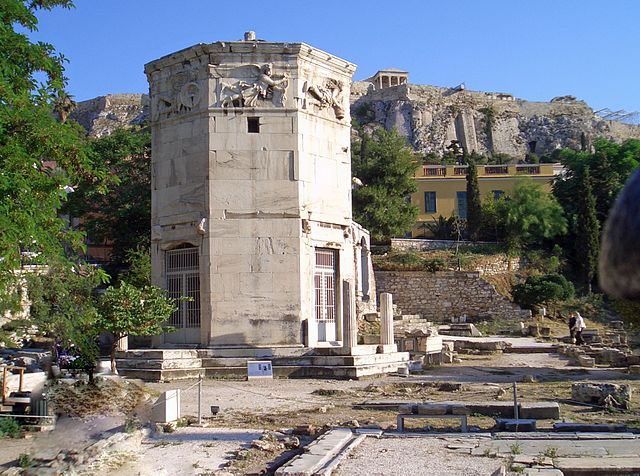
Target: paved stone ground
x,y
503,368
189,450
413,456
482,455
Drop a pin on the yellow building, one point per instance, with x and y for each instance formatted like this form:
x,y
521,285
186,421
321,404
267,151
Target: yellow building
x,y
442,189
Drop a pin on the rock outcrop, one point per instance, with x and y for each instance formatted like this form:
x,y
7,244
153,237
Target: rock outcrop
x,y
489,123
430,117
102,115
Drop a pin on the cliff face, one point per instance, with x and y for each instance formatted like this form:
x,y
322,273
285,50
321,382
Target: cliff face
x,y
431,117
104,114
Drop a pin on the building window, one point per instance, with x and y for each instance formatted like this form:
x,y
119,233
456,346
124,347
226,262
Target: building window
x,y
461,198
430,202
253,125
497,194
325,286
182,271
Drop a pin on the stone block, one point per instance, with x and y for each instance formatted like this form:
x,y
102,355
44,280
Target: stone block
x,y
459,410
513,424
589,427
608,394
602,466
539,410
586,361
542,472
408,408
386,348
432,409
634,369
167,408
494,409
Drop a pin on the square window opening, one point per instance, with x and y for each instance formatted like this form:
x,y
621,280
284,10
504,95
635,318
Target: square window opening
x,y
253,125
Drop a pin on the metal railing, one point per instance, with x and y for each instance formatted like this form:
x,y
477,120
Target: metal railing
x,y
528,169
496,169
434,171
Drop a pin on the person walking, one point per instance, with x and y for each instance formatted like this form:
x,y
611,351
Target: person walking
x,y
572,324
578,327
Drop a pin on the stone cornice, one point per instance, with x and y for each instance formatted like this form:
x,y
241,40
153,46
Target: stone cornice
x,y
221,49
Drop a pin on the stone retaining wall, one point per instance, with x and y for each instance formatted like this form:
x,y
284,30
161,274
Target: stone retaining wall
x,y
445,294
488,264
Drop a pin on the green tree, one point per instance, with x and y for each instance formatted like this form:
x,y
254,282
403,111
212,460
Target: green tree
x,y
608,185
63,307
40,157
139,267
542,289
611,165
385,165
121,217
530,215
492,228
474,206
587,231
129,310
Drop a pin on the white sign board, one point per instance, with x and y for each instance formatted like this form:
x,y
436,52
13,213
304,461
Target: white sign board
x,y
259,369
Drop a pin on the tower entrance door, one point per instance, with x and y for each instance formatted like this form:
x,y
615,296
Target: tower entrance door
x,y
325,294
182,279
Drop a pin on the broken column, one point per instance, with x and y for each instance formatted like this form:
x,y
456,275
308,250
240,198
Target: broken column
x,y
350,325
386,323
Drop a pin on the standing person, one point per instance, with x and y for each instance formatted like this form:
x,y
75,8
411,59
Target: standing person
x,y
578,328
572,324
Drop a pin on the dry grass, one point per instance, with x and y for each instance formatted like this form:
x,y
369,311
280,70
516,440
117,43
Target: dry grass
x,y
105,397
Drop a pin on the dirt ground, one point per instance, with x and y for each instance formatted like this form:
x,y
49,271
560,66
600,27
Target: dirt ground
x,y
248,408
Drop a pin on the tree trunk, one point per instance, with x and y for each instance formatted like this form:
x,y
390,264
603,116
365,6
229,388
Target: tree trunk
x,y
114,346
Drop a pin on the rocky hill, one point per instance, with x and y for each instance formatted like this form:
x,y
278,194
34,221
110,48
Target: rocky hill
x,y
430,117
104,114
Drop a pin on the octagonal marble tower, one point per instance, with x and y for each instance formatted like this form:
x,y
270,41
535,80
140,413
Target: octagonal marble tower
x,y
251,187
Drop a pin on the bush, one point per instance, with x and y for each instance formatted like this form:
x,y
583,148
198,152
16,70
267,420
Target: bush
x,y
542,289
9,428
435,264
410,257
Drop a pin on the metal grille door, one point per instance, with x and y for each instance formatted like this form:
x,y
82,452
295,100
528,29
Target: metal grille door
x,y
183,280
325,294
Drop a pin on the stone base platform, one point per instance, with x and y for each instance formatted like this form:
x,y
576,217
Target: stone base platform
x,y
173,364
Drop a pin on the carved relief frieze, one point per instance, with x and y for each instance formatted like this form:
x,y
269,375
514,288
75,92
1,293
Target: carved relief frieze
x,y
327,95
248,86
184,95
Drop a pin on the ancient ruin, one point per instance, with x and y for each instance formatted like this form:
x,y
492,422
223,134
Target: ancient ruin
x,y
251,212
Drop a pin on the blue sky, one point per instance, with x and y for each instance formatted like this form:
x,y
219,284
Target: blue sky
x,y
534,49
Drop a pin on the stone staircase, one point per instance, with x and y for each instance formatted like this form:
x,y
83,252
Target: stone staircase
x,y
330,362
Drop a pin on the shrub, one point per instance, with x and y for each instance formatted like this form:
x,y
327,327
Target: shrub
x,y
9,428
410,257
542,289
435,264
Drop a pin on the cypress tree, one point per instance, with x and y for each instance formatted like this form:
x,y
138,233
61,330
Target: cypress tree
x,y
474,206
587,241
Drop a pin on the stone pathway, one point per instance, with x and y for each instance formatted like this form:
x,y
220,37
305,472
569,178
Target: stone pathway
x,y
482,454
